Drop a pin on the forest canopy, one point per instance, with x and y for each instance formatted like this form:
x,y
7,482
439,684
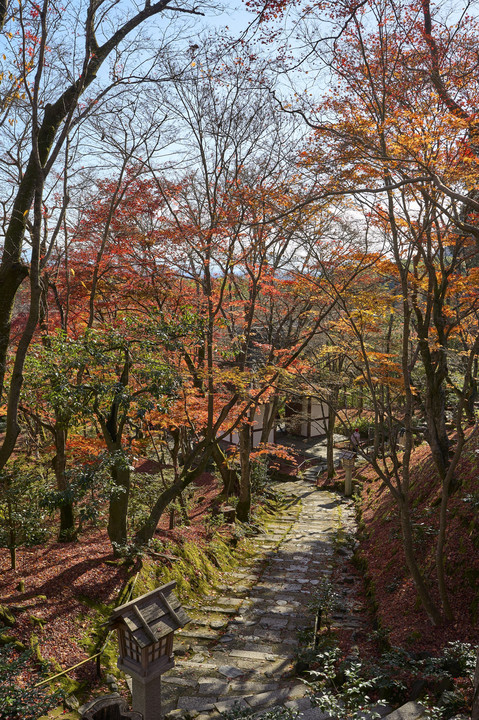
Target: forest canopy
x,y
195,225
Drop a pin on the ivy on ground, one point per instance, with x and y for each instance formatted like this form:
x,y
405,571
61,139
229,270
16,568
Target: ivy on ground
x,y
19,698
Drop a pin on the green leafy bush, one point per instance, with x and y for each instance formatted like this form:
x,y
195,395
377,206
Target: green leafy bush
x,y
326,600
238,712
23,520
341,688
260,480
397,668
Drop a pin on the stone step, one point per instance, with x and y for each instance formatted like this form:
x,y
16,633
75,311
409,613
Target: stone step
x,y
213,609
198,635
200,666
253,655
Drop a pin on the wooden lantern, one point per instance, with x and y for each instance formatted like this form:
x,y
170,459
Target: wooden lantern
x,y
145,628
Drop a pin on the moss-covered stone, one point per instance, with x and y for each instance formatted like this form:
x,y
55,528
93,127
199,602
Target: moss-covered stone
x,y
68,685
194,571
35,648
6,639
6,616
37,622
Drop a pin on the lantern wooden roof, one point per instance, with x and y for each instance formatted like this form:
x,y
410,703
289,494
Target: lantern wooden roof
x,y
152,616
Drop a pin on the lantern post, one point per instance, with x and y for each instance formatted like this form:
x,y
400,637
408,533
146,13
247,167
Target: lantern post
x,y
145,628
349,463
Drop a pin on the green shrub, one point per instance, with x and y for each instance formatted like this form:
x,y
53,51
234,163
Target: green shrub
x,y
238,712
341,688
22,517
260,480
326,600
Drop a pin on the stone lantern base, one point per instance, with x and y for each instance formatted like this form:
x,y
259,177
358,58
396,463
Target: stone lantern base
x,y
146,697
146,690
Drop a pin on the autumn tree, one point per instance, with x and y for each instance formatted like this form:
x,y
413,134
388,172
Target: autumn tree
x,y
51,100
237,257
397,137
206,264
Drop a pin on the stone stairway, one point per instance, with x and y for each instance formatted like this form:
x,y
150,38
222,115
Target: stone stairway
x,y
240,647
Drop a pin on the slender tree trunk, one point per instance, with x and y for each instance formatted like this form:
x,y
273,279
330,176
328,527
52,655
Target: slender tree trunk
x,y
447,483
36,291
118,509
435,403
13,555
417,577
178,448
11,277
13,429
147,530
228,474
473,394
441,540
67,519
243,507
377,434
402,494
184,510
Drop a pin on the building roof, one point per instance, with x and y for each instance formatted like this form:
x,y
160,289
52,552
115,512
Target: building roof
x,y
152,616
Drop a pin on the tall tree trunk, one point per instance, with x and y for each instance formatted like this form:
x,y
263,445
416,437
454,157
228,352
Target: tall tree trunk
x,y
228,474
435,404
417,577
243,507
440,543
118,509
67,518
147,530
112,428
36,291
447,484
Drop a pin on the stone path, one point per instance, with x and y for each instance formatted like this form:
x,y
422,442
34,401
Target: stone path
x,y
240,647
317,450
